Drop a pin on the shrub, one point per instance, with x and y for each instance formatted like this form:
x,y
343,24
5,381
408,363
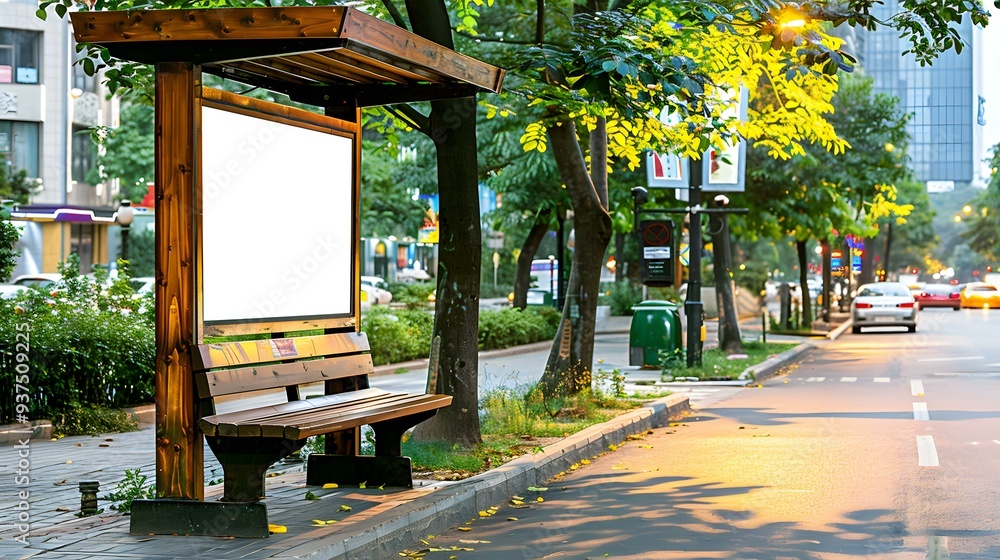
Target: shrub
x,y
412,295
93,421
512,327
89,345
621,296
133,487
398,335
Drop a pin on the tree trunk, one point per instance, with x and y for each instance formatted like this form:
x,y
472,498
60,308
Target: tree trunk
x,y
522,279
888,247
730,339
800,248
827,277
568,369
454,360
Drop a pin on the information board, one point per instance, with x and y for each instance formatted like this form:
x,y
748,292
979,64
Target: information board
x,y
656,244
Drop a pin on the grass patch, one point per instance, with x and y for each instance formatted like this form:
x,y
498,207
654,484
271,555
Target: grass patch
x,y
716,366
94,421
516,422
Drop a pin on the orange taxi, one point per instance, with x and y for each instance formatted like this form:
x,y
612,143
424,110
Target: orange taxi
x,y
980,295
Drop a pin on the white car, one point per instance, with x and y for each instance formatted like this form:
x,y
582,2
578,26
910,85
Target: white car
x,y
884,304
377,293
10,291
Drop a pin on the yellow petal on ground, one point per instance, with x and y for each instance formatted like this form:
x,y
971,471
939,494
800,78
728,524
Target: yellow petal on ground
x,y
484,513
319,522
363,484
584,461
465,528
511,519
331,521
330,485
345,507
69,462
539,499
276,529
645,447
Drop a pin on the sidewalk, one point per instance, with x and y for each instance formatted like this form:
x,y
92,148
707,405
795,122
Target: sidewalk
x,y
379,524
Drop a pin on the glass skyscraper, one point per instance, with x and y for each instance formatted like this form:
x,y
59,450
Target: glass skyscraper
x,y
939,97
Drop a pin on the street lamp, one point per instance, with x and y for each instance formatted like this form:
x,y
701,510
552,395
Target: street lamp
x,y
552,278
124,217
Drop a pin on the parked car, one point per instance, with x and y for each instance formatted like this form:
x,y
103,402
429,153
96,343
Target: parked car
x,y
980,295
42,279
379,289
10,291
143,284
939,295
884,304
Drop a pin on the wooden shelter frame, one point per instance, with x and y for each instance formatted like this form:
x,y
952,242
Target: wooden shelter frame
x,y
337,58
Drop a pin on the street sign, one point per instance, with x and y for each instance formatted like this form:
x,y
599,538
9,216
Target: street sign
x,y
656,238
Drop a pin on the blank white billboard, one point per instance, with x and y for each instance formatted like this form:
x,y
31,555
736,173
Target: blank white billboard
x,y
277,215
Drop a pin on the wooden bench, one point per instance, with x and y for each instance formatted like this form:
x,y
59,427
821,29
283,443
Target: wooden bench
x,y
249,440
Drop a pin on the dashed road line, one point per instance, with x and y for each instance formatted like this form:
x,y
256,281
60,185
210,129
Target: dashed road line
x,y
917,388
952,359
926,452
881,380
920,411
848,379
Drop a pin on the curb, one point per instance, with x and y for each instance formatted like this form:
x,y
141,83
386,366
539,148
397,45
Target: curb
x,y
460,502
771,365
37,429
832,335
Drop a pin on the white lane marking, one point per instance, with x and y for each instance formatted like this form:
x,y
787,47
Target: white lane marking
x,y
920,411
952,359
926,452
996,441
993,365
815,379
917,388
848,379
881,380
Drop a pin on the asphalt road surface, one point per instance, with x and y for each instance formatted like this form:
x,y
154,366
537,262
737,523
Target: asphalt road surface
x,y
883,444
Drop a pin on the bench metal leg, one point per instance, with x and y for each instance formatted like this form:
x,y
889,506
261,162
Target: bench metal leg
x,y
355,469
189,517
245,461
387,467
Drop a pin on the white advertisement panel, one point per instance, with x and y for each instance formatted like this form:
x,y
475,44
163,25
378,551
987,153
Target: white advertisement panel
x,y
277,215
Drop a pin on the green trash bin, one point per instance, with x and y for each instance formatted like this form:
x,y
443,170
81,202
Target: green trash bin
x,y
656,326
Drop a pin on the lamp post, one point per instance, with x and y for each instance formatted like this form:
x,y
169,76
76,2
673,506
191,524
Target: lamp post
x,y
124,218
552,280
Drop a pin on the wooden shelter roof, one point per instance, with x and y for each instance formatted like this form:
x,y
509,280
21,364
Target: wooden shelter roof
x,y
323,55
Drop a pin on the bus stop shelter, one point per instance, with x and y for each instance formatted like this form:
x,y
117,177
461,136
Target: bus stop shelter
x,y
336,58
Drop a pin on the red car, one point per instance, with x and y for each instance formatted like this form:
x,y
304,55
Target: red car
x,y
939,295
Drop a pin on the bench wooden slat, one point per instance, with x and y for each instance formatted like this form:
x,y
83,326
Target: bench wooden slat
x,y
210,424
250,352
419,403
274,423
218,383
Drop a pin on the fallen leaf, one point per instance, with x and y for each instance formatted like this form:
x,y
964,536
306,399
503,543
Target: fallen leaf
x,y
363,484
345,507
539,499
62,509
511,519
537,489
465,528
276,529
584,461
69,462
311,496
470,541
330,485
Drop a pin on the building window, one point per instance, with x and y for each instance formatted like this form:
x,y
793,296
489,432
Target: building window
x,y
84,155
19,56
19,146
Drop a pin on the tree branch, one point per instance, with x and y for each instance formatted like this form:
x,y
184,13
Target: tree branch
x,y
540,22
487,39
397,17
418,120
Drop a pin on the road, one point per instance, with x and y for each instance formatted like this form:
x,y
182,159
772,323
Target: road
x,y
879,445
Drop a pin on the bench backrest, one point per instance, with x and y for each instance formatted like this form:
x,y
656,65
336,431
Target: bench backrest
x,y
227,368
